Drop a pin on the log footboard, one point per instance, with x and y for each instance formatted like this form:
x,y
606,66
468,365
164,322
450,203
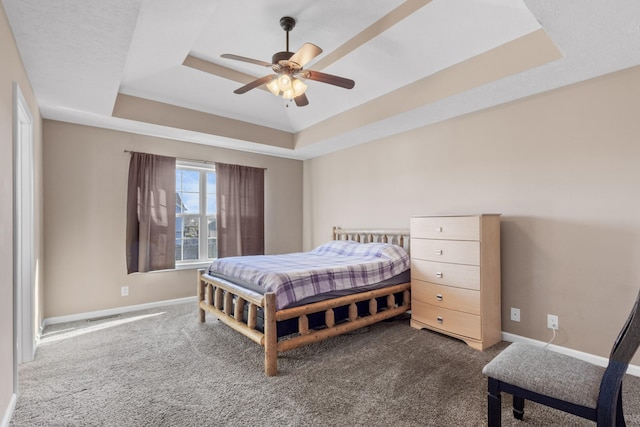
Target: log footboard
x,y
239,308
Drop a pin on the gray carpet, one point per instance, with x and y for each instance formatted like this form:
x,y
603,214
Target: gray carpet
x,y
161,367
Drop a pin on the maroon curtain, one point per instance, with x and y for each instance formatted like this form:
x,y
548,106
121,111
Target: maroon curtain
x,y
240,212
151,213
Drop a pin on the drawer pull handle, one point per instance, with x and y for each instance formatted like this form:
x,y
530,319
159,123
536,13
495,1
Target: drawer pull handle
x,y
439,229
438,274
439,252
440,319
439,297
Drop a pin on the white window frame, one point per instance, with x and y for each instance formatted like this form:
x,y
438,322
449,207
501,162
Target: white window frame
x,y
203,226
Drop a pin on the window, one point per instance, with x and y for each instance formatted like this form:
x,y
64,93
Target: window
x,y
196,233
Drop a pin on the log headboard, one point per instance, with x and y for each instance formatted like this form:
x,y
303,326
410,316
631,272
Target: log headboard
x,y
398,237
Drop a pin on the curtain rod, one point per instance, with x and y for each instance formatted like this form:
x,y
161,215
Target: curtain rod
x,y
184,159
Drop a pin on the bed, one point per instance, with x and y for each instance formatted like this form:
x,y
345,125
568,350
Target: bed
x,y
279,316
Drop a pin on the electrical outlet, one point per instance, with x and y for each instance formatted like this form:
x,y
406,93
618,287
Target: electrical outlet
x,y
515,314
124,291
552,321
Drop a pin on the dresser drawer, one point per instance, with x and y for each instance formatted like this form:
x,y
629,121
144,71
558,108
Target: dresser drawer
x,y
458,275
446,228
456,322
459,299
455,251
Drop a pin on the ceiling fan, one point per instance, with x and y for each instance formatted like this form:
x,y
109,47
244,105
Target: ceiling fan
x,y
288,80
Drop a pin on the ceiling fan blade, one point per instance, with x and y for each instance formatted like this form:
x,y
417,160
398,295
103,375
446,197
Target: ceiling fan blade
x,y
245,59
301,100
328,78
306,53
254,84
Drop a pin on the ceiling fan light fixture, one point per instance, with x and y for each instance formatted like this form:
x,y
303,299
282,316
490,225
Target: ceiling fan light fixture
x,y
284,82
299,87
273,87
288,94
286,86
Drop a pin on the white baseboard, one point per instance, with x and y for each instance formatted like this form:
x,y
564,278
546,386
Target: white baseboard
x,y
114,311
8,413
596,360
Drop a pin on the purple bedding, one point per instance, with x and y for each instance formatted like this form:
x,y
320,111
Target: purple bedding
x,y
333,267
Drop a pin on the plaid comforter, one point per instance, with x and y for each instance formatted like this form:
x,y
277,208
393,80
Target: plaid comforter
x,y
336,265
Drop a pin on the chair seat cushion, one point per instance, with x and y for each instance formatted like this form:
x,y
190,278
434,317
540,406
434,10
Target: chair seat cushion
x,y
549,373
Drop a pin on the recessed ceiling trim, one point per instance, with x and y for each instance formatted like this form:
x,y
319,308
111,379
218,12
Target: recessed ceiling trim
x,y
144,110
529,51
374,30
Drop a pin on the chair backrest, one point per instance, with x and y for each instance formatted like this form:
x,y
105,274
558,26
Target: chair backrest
x,y
623,350
628,340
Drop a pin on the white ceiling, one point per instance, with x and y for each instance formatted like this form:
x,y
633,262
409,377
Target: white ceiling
x,y
82,55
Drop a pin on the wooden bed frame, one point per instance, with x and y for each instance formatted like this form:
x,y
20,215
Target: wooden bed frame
x,y
229,303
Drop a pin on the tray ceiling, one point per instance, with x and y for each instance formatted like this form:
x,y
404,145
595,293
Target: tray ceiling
x,y
154,67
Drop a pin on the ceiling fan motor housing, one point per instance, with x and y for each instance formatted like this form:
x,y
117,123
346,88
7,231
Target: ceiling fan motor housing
x,y
281,56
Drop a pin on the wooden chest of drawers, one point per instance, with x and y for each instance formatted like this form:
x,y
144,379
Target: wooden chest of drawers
x,y
455,277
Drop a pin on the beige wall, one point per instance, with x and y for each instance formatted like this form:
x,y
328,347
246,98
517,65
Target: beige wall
x,y
85,173
12,70
563,170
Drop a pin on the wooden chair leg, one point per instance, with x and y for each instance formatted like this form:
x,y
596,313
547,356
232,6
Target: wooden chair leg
x,y
518,407
619,414
494,404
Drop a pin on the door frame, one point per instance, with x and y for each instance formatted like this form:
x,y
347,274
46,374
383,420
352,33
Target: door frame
x,y
23,234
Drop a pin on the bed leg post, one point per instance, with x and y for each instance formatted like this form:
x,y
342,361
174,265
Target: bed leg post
x,y
201,291
270,335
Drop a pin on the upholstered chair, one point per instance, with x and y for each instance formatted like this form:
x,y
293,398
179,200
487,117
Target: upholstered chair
x,y
563,382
